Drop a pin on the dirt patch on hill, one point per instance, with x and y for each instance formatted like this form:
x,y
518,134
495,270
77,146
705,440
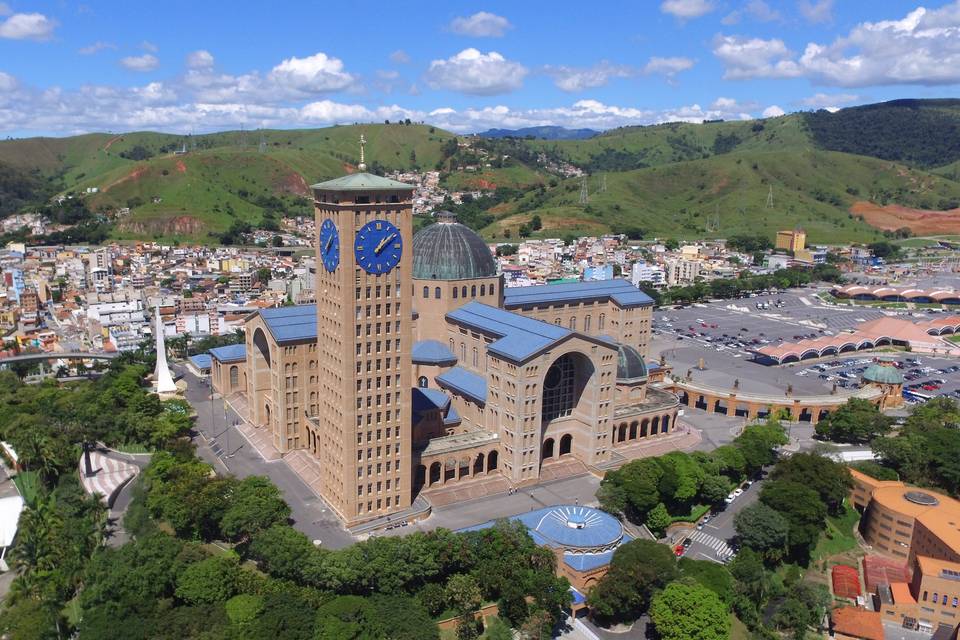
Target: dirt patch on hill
x,y
920,221
133,175
293,183
177,225
182,168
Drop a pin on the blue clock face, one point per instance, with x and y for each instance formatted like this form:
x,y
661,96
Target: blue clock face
x,y
378,246
329,245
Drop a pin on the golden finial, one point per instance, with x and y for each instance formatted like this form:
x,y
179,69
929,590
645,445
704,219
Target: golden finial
x,y
362,166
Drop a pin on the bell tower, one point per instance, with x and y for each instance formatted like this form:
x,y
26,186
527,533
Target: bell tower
x,y
363,430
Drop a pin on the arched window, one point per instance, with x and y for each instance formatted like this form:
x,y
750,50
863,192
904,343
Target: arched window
x,y
436,293
426,292
463,291
493,289
422,382
559,389
573,323
586,324
463,352
474,357
453,345
557,322
455,292
483,290
473,291
603,318
234,376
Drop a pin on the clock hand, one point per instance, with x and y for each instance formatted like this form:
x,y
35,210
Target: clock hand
x,y
326,249
384,243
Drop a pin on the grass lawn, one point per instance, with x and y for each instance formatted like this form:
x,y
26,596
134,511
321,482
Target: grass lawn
x,y
954,338
28,483
696,512
838,537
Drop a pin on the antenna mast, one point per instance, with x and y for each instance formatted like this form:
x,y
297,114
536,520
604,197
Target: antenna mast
x,y
584,194
770,198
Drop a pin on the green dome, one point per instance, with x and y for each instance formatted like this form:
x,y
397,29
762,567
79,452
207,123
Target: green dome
x,y
630,364
882,374
451,251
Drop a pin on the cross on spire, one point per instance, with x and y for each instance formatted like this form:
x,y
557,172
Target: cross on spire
x,y
362,166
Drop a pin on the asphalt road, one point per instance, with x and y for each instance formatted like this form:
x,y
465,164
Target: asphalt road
x,y
220,444
720,532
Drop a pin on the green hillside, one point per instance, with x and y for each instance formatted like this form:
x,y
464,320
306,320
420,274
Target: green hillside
x,y
812,189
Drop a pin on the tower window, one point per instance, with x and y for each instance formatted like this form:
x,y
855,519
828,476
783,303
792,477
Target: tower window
x,y
436,293
426,292
473,291
483,290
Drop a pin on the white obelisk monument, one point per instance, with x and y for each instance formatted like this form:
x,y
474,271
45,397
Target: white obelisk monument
x,y
161,375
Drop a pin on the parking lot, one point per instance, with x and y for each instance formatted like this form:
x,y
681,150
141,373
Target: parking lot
x,y
722,335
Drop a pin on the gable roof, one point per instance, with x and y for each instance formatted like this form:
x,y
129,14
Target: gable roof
x,y
290,324
856,622
431,352
229,353
520,337
620,291
361,182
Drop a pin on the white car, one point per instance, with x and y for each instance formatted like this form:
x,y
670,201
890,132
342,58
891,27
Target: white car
x,y
737,493
730,498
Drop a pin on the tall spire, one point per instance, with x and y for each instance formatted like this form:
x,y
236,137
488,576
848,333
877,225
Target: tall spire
x,y
161,375
363,165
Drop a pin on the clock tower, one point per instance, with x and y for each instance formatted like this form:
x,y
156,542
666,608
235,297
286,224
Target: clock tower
x,y
364,291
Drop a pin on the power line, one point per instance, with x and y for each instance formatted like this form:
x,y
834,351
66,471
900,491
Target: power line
x,y
584,193
770,198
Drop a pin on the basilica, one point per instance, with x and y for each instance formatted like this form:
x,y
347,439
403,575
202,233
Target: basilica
x,y
417,369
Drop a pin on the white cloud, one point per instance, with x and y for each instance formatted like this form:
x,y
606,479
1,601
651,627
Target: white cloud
x,y
756,9
7,82
773,111
667,66
27,26
5,9
481,25
817,11
578,79
755,58
829,101
685,9
200,59
146,62
400,57
96,47
146,45
318,73
473,72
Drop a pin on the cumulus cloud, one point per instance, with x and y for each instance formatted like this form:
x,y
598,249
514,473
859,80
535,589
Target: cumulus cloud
x,y
816,12
7,82
146,62
96,47
773,111
574,79
481,25
921,48
667,66
686,9
476,73
26,26
746,58
314,74
200,59
829,101
400,57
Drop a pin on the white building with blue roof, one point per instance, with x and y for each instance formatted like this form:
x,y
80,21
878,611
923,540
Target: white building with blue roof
x,y
504,382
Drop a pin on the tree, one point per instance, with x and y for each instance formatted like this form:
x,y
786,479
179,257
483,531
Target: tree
x,y
714,489
433,597
828,478
281,551
254,505
758,444
764,530
212,580
463,593
637,569
681,478
856,421
536,223
658,519
404,616
689,611
713,576
875,470
803,509
243,609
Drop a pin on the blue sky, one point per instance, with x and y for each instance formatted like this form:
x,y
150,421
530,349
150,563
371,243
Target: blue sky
x,y
69,67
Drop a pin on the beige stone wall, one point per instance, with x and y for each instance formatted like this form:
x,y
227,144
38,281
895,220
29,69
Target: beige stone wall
x,y
433,299
228,378
626,325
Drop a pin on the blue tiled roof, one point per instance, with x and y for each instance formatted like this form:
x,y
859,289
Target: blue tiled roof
x,y
201,361
574,526
229,353
620,291
588,561
470,384
578,598
520,337
432,352
452,416
426,399
290,324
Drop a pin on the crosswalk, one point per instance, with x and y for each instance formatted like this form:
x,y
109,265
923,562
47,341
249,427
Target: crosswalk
x,y
719,549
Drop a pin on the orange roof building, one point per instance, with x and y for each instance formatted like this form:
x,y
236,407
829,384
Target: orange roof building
x,y
853,623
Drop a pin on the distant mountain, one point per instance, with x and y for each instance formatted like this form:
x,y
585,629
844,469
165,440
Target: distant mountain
x,y
540,133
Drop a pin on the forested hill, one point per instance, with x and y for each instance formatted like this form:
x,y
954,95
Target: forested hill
x,y
921,133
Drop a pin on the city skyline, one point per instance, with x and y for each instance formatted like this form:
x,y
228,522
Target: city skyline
x,y
108,67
